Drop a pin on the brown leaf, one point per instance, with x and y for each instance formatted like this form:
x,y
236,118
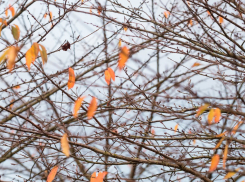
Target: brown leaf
x,y
66,46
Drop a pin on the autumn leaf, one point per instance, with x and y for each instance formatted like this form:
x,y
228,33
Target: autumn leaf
x,y
99,178
190,22
71,81
77,106
202,109
99,9
214,162
43,54
107,77
29,57
12,54
195,64
120,43
217,115
152,131
65,145
11,8
112,74
176,127
123,57
16,87
221,20
45,15
52,174
236,127
225,154
221,134
50,16
92,108
16,32
125,28
219,143
6,12
11,105
194,142
166,14
232,173
210,116
209,13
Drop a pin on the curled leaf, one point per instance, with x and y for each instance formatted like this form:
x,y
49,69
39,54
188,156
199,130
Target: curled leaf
x,y
65,145
202,109
92,108
123,57
52,174
77,106
71,81
214,162
43,54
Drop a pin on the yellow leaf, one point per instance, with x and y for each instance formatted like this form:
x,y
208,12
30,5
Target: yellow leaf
x,y
214,162
107,77
77,106
210,116
99,178
217,115
52,174
202,109
16,32
219,143
123,57
221,20
120,43
195,64
43,54
176,127
3,56
229,175
112,74
225,154
92,108
12,54
71,81
65,145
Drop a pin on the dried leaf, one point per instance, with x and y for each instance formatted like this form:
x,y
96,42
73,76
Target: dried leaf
x,y
52,174
120,43
65,145
210,116
217,115
99,9
3,56
16,87
66,46
12,54
43,53
16,32
71,81
195,64
50,16
125,28
236,127
107,77
219,143
225,154
221,20
214,162
190,22
123,57
112,74
11,8
176,127
92,108
202,109
99,178
166,14
77,106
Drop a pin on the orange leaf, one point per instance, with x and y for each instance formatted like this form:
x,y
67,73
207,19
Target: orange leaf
x,y
219,143
29,58
209,13
45,15
12,54
195,64
176,127
125,28
190,22
107,77
50,16
210,116
217,115
6,12
221,20
99,9
120,43
99,178
225,154
92,108
77,106
123,57
90,10
112,74
71,81
16,32
152,131
11,105
11,8
166,14
202,109
235,128
214,162
65,145
52,174
232,173
221,134
194,142
16,87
